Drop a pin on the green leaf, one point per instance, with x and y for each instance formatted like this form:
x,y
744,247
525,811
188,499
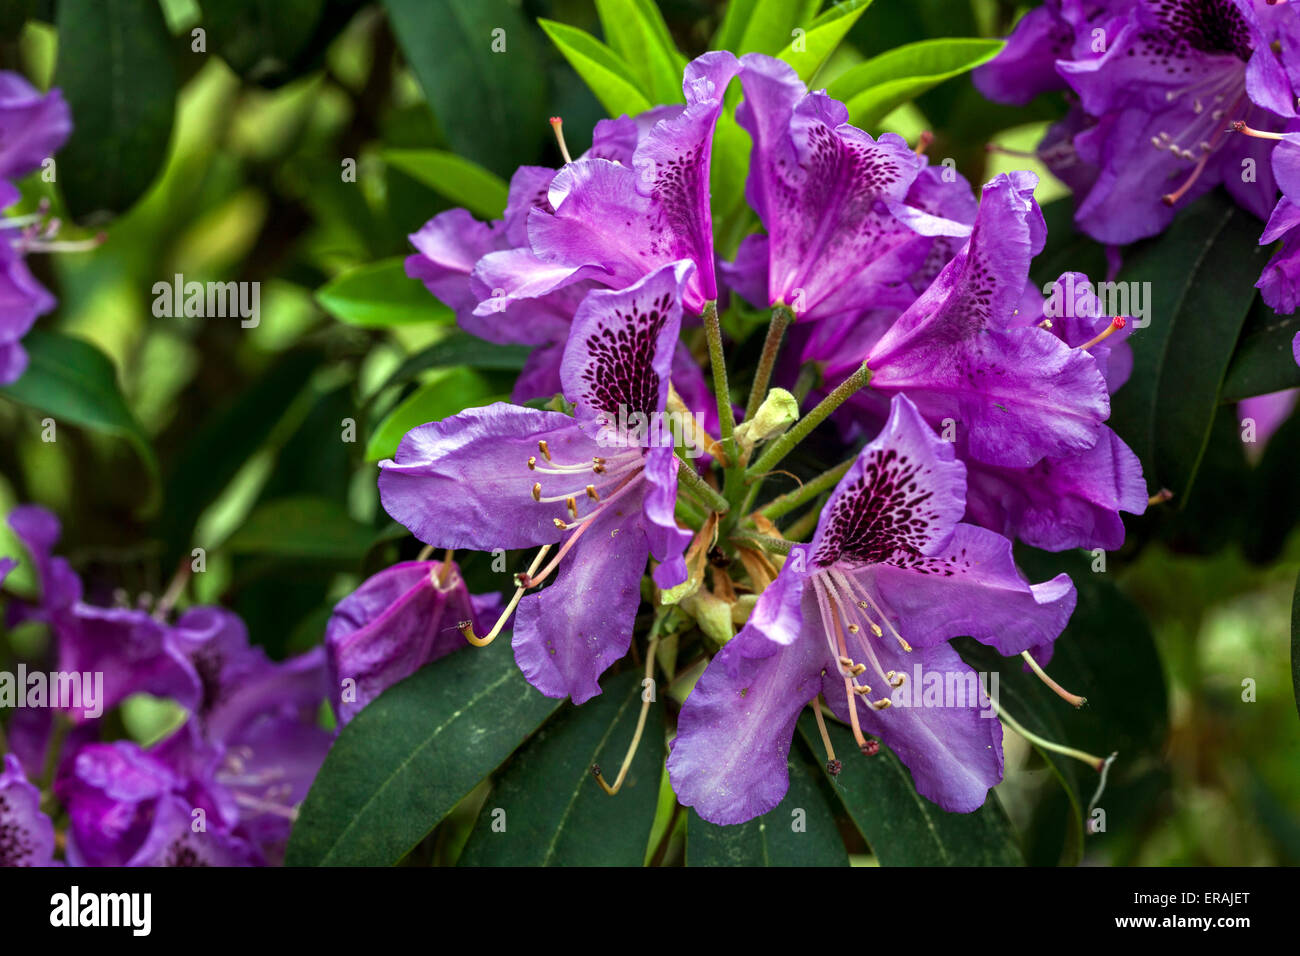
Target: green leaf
x,y
1198,281
446,394
637,33
872,89
1264,361
1066,249
302,527
903,827
380,294
459,348
489,101
74,382
801,831
1295,646
603,70
1270,503
404,762
460,180
115,70
261,39
762,26
821,38
555,813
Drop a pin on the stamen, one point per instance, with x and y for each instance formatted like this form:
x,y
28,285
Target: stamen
x,y
537,491
640,721
557,124
1074,699
1240,127
1170,198
833,766
1116,324
532,462
572,505
1160,497
467,627
544,449
592,493
923,142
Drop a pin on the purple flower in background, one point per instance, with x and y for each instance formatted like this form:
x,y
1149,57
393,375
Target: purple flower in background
x,y
1157,82
32,127
26,834
1017,391
1279,283
128,808
398,620
130,648
511,477
890,576
843,231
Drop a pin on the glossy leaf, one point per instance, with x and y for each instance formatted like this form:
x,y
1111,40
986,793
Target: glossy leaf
x,y
404,762
479,67
459,180
799,832
446,394
762,26
872,89
903,827
302,527
809,48
553,810
260,39
606,73
115,70
1264,361
1198,282
381,294
636,32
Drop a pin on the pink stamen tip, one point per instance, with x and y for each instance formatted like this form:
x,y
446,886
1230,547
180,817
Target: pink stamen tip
x,y
556,121
1119,322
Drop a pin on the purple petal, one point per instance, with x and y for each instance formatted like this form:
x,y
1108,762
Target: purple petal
x,y
33,126
667,541
26,834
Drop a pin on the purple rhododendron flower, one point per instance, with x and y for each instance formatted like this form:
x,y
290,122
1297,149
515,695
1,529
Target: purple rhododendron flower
x,y
26,834
33,125
890,576
132,649
844,230
511,477
1017,390
126,807
1157,83
398,620
1279,283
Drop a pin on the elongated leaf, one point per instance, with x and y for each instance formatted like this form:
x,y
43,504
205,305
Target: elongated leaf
x,y
1264,361
553,811
1295,646
799,832
1198,281
872,89
381,294
763,26
460,180
260,39
448,393
903,827
479,67
459,348
303,527
807,51
115,69
75,383
1270,505
603,70
637,33
402,763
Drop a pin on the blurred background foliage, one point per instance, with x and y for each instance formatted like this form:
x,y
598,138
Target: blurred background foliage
x,y
258,445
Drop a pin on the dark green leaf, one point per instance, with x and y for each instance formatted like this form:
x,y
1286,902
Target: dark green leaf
x,y
460,180
554,811
903,827
459,348
303,527
76,383
115,69
1295,646
489,105
381,294
799,832
260,39
1265,360
1201,276
403,763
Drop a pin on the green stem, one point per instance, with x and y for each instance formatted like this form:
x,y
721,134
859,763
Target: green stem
x,y
803,527
689,479
808,491
721,391
764,541
781,319
783,445
59,727
810,374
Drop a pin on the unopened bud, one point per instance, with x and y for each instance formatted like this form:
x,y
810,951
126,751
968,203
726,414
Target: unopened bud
x,y
778,412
